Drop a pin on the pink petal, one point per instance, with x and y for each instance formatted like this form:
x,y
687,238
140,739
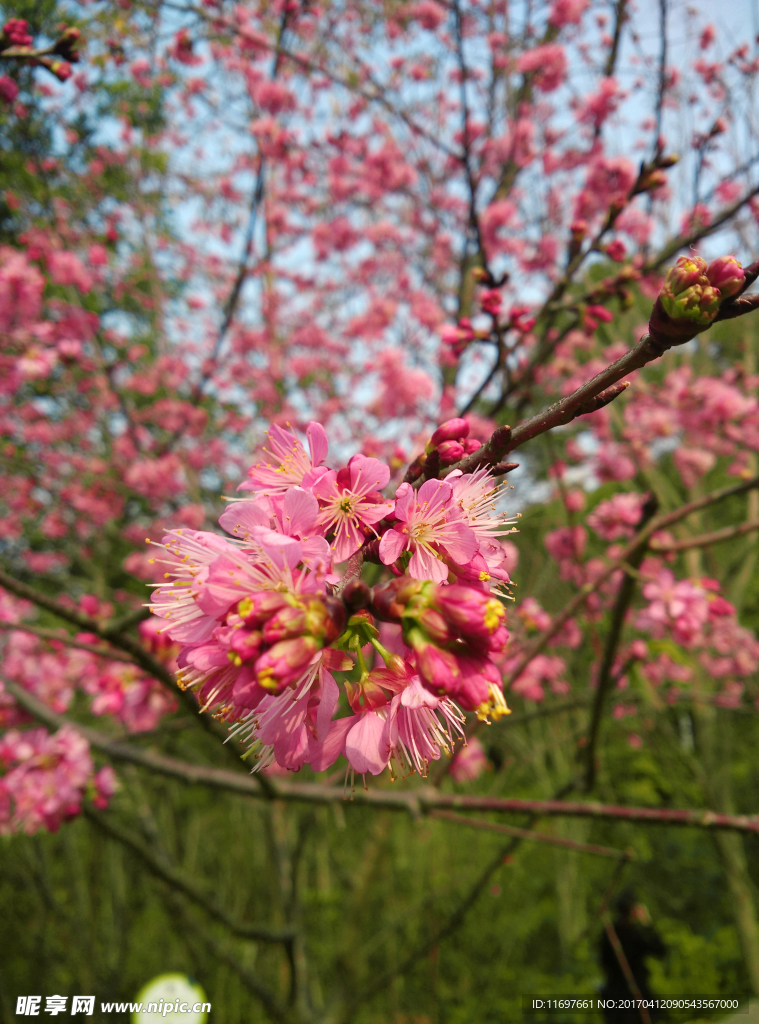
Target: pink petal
x,y
327,704
316,554
405,500
285,552
327,752
241,517
434,493
417,696
363,744
348,540
368,474
299,512
317,442
371,514
392,544
325,486
313,476
207,657
459,542
424,566
224,587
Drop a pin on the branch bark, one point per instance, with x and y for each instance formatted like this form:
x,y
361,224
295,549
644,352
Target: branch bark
x,y
416,801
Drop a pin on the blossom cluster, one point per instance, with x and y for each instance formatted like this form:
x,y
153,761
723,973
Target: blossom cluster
x,y
264,618
46,779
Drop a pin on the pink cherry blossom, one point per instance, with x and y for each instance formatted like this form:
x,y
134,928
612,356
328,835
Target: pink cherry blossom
x,y
429,523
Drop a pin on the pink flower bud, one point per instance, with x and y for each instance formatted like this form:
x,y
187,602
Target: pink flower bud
x,y
287,623
726,274
435,626
438,669
244,645
258,608
475,614
450,452
451,430
471,444
285,662
688,270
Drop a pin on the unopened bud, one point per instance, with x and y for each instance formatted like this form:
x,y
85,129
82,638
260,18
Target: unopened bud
x,y
688,270
244,645
450,452
451,430
259,607
471,444
726,274
284,663
688,297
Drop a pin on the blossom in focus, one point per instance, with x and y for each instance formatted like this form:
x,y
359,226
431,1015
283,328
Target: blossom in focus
x,y
288,463
352,504
430,525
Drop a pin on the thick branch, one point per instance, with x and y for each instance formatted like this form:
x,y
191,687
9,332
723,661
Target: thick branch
x,y
413,801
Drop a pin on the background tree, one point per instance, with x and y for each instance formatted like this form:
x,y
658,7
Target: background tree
x,y
382,217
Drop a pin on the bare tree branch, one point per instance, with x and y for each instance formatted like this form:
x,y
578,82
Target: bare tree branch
x,y
414,801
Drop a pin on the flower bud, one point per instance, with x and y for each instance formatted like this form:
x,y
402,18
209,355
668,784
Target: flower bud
x,y
475,614
451,430
284,663
450,452
259,607
435,626
687,303
438,669
244,645
471,444
726,274
288,622
688,270
389,601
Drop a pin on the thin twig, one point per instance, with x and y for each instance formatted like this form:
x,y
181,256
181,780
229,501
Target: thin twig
x,y
525,833
705,540
658,523
605,675
65,638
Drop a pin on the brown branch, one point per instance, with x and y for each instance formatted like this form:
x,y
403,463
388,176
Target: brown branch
x,y
620,17
69,641
143,658
163,869
416,801
705,540
524,833
603,388
632,984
